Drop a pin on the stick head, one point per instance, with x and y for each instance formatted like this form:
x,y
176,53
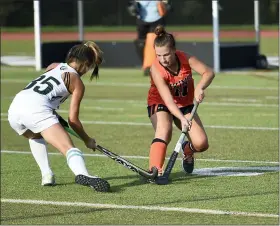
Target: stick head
x,y
154,172
161,180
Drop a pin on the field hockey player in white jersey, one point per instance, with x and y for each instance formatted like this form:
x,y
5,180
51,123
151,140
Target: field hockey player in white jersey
x,y
32,114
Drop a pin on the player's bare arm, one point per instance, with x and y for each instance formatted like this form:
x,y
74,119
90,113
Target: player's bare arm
x,y
77,89
206,79
202,69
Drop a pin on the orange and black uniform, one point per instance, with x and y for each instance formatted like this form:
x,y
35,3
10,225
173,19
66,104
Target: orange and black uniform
x,y
181,86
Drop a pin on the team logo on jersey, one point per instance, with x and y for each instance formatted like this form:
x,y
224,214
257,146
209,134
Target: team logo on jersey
x,y
63,68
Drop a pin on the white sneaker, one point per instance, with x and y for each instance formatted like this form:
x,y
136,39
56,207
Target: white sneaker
x,y
48,180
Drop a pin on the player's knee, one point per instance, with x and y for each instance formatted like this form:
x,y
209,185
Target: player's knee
x,y
166,138
201,146
164,134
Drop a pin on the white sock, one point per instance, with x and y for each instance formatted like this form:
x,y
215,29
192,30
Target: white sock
x,y
39,151
76,161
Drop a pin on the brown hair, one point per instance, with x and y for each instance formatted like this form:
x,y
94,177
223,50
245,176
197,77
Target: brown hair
x,y
87,54
163,38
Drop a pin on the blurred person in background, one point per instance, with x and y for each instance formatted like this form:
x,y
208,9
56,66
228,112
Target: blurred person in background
x,y
148,14
32,114
170,99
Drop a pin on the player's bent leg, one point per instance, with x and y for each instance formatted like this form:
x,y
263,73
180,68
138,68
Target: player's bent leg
x,y
198,136
60,139
198,142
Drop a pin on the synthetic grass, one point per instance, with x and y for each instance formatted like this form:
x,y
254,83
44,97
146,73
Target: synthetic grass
x,y
249,138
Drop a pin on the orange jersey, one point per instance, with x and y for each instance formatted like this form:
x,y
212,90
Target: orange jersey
x,y
181,86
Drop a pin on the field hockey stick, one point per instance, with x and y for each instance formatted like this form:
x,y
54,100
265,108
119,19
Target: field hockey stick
x,y
115,157
161,180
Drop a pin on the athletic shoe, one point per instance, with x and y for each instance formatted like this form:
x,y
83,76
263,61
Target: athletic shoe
x,y
48,180
96,183
187,161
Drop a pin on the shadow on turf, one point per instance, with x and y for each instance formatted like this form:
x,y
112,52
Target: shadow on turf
x,y
141,180
136,180
65,181
42,215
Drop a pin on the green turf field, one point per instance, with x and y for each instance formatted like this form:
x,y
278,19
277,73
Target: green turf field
x,y
235,182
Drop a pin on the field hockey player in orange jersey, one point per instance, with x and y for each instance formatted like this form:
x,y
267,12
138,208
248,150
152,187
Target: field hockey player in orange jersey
x,y
170,98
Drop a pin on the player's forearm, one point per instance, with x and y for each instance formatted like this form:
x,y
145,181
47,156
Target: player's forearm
x,y
77,126
206,79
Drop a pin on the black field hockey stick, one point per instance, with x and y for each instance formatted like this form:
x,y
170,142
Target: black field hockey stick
x,y
162,180
149,175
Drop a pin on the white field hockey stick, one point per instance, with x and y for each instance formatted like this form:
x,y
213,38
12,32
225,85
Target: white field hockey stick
x,y
115,157
162,180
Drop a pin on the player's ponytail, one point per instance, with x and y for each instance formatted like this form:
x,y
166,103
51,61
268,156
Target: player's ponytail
x,y
98,57
163,38
88,55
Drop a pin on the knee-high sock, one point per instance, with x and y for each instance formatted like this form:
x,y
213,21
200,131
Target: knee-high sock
x,y
76,161
39,151
189,150
157,154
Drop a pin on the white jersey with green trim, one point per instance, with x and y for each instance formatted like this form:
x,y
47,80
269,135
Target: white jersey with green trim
x,y
46,91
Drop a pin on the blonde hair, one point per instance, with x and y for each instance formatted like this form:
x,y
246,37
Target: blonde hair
x,y
87,54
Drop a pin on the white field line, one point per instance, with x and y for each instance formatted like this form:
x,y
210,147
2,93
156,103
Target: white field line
x,y
246,72
141,103
118,84
206,103
145,157
149,124
251,100
103,108
242,87
258,114
240,104
149,208
272,97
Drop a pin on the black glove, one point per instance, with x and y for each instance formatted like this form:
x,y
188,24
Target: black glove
x,y
133,8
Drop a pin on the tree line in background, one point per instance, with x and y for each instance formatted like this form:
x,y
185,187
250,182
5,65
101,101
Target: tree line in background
x,y
15,13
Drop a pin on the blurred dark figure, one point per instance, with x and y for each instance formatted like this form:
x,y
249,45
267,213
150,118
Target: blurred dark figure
x,y
149,14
